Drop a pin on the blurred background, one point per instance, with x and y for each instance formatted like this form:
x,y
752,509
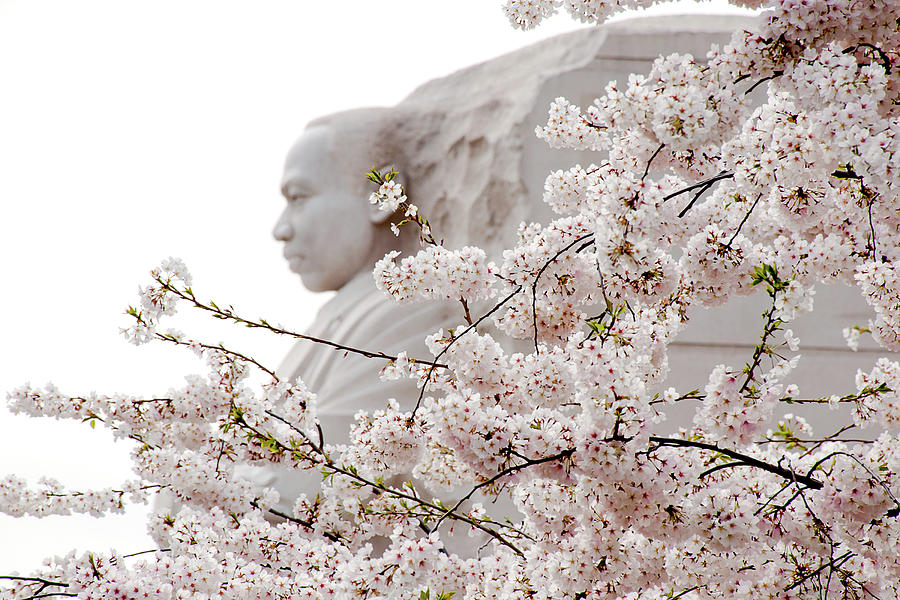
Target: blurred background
x,y
133,131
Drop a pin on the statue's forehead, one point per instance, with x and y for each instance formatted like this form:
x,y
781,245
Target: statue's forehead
x,y
319,156
311,153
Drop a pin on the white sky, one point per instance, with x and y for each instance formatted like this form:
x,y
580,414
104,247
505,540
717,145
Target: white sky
x,y
132,131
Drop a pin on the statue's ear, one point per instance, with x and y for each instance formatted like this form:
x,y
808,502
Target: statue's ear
x,y
376,215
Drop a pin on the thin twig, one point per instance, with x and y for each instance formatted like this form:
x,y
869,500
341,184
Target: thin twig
x,y
35,580
872,229
274,511
712,470
837,562
133,554
696,197
229,315
538,276
775,75
744,220
714,179
219,347
504,473
650,162
771,326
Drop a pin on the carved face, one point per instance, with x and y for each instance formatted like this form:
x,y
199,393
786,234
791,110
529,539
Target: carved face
x,y
326,228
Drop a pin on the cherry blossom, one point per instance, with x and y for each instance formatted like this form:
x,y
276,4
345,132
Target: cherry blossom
x,y
533,463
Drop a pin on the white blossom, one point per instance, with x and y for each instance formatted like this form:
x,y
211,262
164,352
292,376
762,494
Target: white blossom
x,y
536,437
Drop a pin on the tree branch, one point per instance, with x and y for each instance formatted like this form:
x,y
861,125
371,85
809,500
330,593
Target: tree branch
x,y
836,562
650,162
740,458
256,435
40,580
453,341
711,180
193,343
504,473
744,220
229,315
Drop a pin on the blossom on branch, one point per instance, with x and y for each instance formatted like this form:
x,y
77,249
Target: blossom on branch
x,y
536,435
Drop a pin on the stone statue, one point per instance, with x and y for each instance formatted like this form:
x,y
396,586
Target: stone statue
x,y
467,154
466,151
332,237
468,157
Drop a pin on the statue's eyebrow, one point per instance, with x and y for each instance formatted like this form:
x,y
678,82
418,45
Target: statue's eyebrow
x,y
296,186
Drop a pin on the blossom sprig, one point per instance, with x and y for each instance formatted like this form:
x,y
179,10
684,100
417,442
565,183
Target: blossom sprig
x,y
391,197
528,14
157,300
146,326
436,273
463,274
52,498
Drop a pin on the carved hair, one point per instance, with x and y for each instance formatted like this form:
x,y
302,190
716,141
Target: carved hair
x,y
465,143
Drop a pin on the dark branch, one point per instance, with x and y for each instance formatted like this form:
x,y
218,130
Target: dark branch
x,y
650,162
837,562
696,197
719,177
40,580
730,465
331,536
775,75
885,60
133,554
744,220
741,458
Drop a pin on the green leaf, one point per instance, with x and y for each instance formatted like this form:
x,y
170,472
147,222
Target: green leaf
x,y
374,176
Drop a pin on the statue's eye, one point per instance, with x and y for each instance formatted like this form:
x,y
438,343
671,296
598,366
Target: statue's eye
x,y
297,191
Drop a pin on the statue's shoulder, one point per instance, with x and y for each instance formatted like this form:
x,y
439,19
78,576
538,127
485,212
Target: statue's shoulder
x,y
360,316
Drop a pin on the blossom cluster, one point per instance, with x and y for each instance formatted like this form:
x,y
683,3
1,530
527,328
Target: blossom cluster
x,y
880,283
536,462
389,196
436,273
52,498
157,300
529,13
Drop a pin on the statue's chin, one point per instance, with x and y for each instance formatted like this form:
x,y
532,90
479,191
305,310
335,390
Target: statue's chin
x,y
321,282
313,283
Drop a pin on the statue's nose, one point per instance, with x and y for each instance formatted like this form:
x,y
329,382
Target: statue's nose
x,y
283,231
